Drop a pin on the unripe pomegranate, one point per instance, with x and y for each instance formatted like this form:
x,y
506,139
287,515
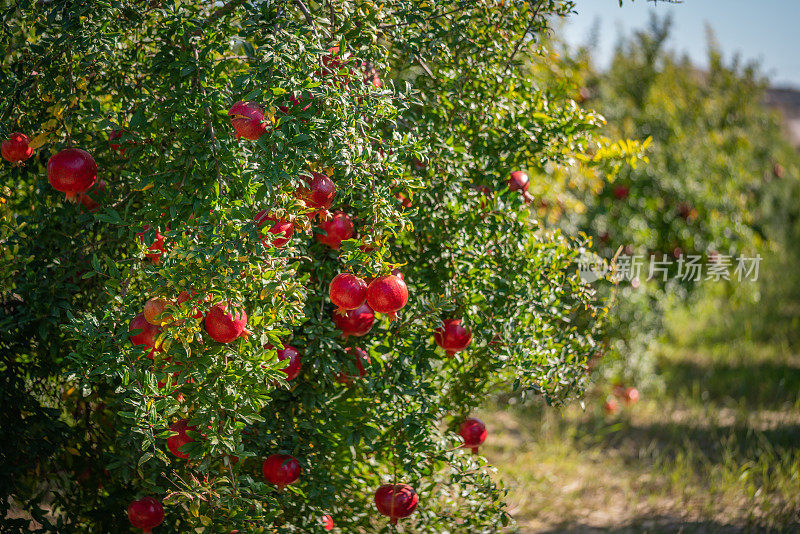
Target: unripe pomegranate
x,y
318,193
387,294
453,337
153,310
146,514
175,442
148,335
281,470
347,291
396,501
247,119
97,191
224,327
156,248
15,148
473,432
361,358
290,353
356,322
279,227
337,229
327,522
518,181
72,171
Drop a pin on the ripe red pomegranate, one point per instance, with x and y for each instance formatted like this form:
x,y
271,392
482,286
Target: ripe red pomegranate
x,y
337,229
15,148
174,443
327,522
247,119
356,322
396,501
146,514
147,336
387,294
290,353
279,227
361,358
473,431
347,291
318,193
87,201
224,327
518,181
72,171
281,470
621,192
156,248
453,337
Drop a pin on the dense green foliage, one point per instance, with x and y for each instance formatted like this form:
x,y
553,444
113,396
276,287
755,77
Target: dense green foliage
x,y
86,405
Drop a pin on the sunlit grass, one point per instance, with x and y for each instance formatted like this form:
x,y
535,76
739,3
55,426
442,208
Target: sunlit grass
x,y
716,449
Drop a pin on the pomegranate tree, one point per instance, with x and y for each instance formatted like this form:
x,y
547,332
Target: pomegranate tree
x,y
351,282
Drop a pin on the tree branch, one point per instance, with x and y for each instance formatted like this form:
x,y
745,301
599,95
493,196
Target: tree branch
x,y
524,34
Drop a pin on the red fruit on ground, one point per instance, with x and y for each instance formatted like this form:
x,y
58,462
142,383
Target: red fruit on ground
x,y
279,227
357,322
281,470
453,337
72,171
473,432
518,181
147,336
156,248
224,327
146,513
347,291
396,501
175,442
247,119
318,193
361,358
387,294
337,229
15,148
290,353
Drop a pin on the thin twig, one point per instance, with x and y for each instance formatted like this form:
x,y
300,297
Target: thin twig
x,y
424,66
307,13
224,10
524,34
440,15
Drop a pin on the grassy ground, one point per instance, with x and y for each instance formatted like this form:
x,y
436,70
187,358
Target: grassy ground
x,y
716,450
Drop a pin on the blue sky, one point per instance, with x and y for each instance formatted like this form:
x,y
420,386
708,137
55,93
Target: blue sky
x,y
766,31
